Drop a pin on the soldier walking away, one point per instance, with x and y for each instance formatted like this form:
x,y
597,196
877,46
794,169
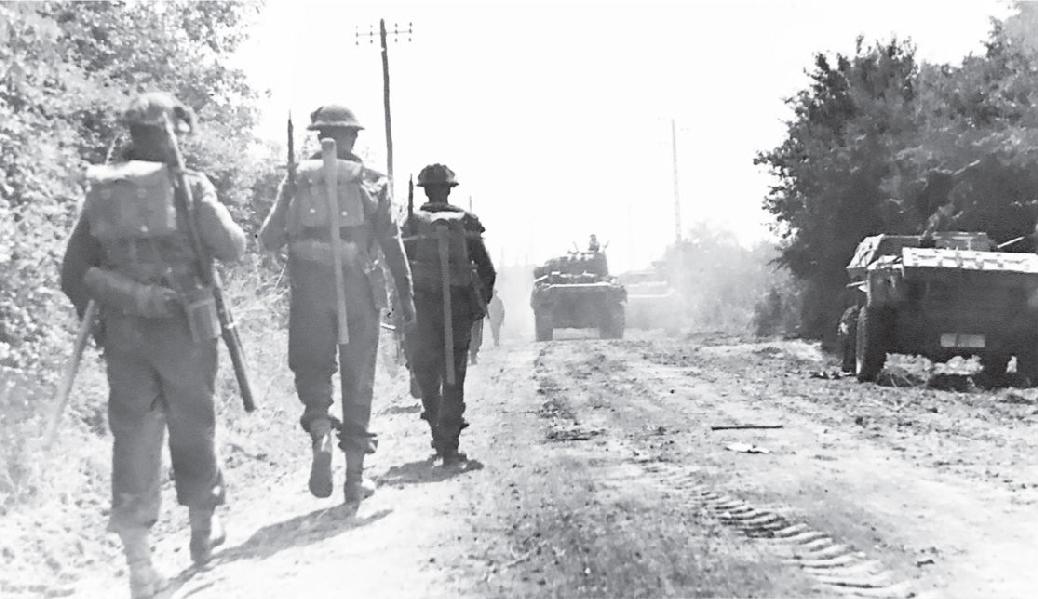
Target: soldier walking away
x,y
496,316
132,253
454,278
367,233
476,342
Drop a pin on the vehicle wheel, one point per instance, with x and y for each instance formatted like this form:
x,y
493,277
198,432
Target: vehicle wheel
x,y
847,334
543,323
994,365
872,342
613,327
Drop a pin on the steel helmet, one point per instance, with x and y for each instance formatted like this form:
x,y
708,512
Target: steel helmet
x,y
436,174
153,108
333,115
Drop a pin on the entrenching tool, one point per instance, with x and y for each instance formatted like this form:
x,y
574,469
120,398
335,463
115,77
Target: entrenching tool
x,y
331,181
448,323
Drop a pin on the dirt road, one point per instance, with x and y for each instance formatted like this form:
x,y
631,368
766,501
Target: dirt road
x,y
596,473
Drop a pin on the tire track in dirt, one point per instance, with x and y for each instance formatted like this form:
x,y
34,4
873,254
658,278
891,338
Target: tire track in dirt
x,y
945,535
835,566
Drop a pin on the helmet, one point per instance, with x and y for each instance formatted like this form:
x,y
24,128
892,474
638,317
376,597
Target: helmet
x,y
333,115
436,174
153,108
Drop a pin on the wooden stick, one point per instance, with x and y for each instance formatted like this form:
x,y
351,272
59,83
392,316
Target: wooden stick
x,y
725,427
331,181
442,242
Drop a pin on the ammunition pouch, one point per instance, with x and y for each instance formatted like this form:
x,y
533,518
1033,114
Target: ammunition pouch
x,y
427,276
117,291
320,251
203,321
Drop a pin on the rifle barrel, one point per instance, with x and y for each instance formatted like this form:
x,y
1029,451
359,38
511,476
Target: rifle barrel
x,y
207,271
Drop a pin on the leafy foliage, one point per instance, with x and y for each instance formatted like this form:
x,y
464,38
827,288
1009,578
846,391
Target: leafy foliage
x,y
879,143
65,71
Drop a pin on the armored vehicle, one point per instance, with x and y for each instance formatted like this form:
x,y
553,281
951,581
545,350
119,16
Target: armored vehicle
x,y
576,291
652,302
941,296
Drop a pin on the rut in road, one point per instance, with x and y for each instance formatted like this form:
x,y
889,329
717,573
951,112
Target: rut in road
x,y
837,567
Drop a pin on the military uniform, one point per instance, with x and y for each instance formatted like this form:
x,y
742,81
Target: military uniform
x,y
444,403
130,251
368,234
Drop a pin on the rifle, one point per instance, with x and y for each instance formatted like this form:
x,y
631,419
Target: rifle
x,y
207,270
86,326
329,154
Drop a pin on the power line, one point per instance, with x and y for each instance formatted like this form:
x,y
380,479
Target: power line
x,y
397,32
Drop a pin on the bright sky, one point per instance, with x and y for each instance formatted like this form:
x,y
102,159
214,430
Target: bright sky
x,y
556,115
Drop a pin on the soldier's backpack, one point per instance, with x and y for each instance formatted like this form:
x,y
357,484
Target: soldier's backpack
x,y
426,270
308,211
130,208
130,200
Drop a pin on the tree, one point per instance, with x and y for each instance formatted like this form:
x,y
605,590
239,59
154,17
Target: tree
x,y
840,147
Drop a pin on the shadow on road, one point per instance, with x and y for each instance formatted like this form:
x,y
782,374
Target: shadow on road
x,y
425,471
300,531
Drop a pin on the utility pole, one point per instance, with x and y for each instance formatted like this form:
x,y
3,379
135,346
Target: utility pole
x,y
382,33
677,196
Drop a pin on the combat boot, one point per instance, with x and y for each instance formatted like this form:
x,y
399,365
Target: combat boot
x,y
321,466
145,580
453,457
206,534
357,487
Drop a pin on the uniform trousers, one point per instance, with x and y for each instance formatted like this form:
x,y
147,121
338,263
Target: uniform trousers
x,y
313,346
159,378
443,403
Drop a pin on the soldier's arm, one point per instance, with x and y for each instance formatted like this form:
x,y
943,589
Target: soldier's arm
x,y
272,234
388,234
82,252
224,239
481,258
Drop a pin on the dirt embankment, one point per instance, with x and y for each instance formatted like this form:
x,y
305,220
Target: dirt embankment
x,y
596,473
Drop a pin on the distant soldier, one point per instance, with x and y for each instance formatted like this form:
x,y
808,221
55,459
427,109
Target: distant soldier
x,y
367,233
592,244
445,247
496,316
131,252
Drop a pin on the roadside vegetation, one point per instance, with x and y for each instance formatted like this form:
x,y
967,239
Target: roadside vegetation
x,y
66,68
879,141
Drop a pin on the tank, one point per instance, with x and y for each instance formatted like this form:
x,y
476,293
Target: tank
x,y
652,302
940,296
576,291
